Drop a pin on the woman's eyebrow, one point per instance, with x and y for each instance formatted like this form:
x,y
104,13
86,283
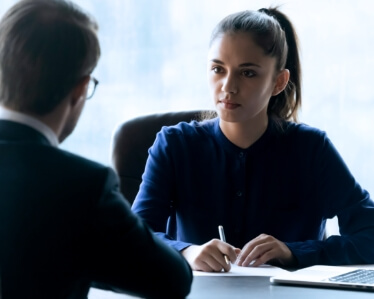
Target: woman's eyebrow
x,y
245,64
217,61
249,64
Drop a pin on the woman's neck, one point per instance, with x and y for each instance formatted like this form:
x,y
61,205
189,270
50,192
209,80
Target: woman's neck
x,y
244,134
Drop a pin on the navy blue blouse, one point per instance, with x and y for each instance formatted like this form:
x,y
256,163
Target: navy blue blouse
x,y
286,185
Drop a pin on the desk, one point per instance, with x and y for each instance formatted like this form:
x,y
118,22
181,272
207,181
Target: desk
x,y
260,287
233,287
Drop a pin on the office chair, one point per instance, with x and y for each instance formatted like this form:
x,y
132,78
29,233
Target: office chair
x,y
133,138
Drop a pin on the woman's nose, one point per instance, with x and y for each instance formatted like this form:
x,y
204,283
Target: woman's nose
x,y
230,84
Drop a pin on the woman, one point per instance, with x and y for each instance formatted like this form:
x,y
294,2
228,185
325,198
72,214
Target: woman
x,y
270,181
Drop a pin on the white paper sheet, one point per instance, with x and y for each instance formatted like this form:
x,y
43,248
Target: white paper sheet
x,y
264,270
103,294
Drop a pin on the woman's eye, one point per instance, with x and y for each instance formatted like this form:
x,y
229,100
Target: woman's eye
x,y
248,73
217,69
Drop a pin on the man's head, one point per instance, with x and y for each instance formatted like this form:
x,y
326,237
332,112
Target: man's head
x,y
47,48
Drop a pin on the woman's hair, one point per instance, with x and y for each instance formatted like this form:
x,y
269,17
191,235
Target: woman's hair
x,y
274,33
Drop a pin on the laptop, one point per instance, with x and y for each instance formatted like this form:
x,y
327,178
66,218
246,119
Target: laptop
x,y
329,276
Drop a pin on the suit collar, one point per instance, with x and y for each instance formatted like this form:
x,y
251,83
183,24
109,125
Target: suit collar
x,y
24,119
11,131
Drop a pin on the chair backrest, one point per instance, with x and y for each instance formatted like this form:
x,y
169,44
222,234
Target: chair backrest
x,y
131,142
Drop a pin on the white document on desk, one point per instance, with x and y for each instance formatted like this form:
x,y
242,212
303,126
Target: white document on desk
x,y
264,270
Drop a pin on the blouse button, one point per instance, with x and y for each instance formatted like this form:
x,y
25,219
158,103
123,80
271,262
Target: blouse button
x,y
239,193
241,155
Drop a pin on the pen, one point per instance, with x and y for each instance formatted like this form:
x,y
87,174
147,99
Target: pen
x,y
223,239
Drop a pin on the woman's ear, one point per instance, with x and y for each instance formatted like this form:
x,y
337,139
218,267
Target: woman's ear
x,y
80,90
281,82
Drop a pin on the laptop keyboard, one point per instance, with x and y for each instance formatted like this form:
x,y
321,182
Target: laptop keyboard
x,y
363,276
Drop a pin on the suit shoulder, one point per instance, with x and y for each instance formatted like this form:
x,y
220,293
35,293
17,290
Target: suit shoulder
x,y
77,159
76,166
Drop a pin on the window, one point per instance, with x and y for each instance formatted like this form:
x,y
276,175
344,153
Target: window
x,y
154,59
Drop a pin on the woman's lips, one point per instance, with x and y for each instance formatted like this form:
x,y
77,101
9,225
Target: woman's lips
x,y
228,104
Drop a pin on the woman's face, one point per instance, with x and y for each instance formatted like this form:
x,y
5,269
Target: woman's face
x,y
241,77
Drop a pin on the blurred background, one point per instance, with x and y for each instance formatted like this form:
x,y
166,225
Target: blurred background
x,y
154,60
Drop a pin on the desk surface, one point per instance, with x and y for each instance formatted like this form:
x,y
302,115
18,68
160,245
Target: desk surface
x,y
260,287
230,287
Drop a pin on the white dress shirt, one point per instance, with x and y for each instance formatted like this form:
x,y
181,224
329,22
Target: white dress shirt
x,y
7,114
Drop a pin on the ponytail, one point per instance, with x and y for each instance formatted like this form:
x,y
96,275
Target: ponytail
x,y
286,104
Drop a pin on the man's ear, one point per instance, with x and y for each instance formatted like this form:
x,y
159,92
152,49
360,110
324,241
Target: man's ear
x,y
281,82
80,90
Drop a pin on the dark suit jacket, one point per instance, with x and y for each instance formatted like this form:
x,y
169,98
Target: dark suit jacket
x,y
64,225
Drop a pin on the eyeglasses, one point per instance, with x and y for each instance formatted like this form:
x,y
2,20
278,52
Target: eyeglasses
x,y
91,87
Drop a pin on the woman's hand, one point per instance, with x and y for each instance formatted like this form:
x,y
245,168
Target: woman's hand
x,y
209,257
263,249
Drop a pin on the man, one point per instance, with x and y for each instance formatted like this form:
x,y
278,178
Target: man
x,y
63,223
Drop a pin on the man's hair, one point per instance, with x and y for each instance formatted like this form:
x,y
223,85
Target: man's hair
x,y
46,48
